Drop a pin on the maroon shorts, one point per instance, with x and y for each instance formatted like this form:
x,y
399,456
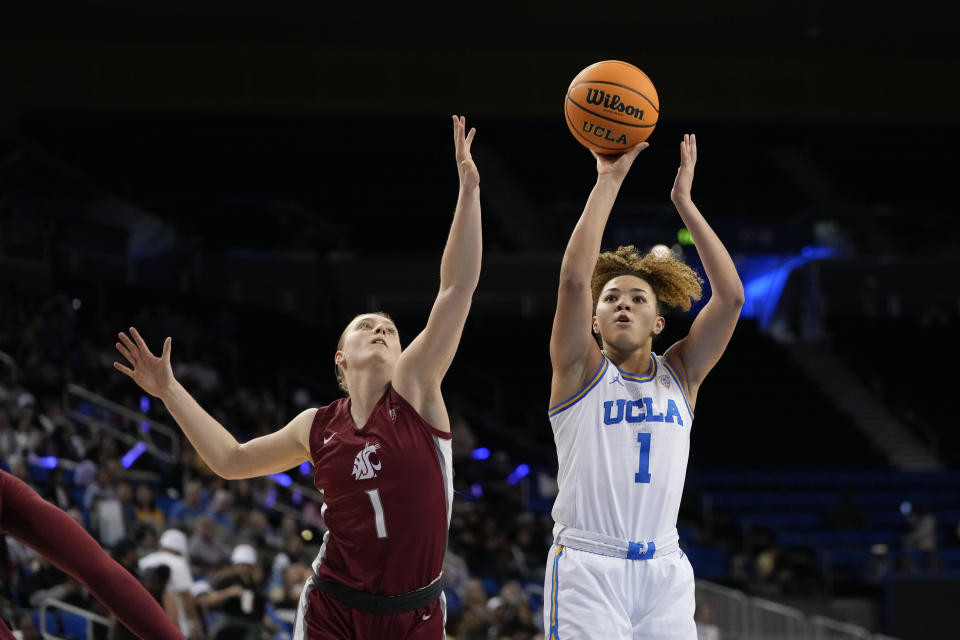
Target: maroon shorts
x,y
327,618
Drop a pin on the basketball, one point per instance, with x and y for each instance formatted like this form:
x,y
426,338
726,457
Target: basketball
x,y
611,106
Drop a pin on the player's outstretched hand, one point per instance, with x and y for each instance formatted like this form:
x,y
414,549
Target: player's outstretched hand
x,y
153,374
618,165
469,176
688,159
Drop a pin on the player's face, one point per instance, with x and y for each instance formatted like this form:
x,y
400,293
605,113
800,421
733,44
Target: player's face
x,y
627,313
371,338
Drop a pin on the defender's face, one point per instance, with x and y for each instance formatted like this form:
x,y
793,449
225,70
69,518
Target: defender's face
x,y
370,338
626,315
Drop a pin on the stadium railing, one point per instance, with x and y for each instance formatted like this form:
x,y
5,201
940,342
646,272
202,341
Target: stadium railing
x,y
101,414
74,620
827,629
742,617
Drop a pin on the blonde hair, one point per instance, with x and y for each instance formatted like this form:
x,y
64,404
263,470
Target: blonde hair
x,y
675,284
341,378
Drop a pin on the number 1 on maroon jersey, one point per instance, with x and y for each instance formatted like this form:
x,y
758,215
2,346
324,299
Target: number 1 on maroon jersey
x,y
378,512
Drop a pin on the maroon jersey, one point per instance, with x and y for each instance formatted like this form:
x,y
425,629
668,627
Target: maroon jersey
x,y
387,490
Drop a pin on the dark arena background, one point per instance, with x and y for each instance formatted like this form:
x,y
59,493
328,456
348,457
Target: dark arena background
x,y
246,177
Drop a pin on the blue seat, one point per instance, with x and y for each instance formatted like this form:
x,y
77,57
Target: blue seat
x,y
51,620
77,495
708,562
73,625
38,473
165,503
779,520
840,539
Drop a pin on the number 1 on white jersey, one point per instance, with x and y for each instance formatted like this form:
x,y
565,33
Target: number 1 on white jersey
x,y
643,475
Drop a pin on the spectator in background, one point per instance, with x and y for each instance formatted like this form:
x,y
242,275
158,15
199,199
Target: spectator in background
x,y
243,611
65,442
125,553
878,566
207,548
44,582
922,537
293,549
256,529
220,510
128,509
156,581
28,436
241,494
475,604
525,552
147,539
104,485
173,554
106,451
28,628
289,527
705,617
57,491
146,506
183,512
511,615
100,500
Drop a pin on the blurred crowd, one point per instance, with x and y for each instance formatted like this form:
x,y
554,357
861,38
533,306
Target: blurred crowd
x,y
226,560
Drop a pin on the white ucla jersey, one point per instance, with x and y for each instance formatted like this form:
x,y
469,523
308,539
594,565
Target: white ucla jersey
x,y
623,443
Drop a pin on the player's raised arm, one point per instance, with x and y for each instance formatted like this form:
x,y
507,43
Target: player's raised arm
x,y
425,361
573,351
278,451
699,351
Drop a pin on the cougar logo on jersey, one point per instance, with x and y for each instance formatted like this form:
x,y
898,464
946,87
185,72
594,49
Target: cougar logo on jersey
x,y
363,468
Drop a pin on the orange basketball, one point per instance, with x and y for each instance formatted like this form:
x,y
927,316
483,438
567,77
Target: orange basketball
x,y
611,106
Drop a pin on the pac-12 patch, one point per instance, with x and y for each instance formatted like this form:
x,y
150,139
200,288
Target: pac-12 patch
x,y
664,380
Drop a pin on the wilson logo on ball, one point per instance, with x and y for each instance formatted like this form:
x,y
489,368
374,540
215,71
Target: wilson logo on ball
x,y
613,102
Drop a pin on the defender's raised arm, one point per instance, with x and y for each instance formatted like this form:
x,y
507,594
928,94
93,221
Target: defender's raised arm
x,y
278,451
425,361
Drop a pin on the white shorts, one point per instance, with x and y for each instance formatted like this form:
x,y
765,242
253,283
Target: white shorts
x,y
593,596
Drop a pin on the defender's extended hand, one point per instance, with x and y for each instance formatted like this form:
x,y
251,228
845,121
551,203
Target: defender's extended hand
x,y
469,176
153,374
